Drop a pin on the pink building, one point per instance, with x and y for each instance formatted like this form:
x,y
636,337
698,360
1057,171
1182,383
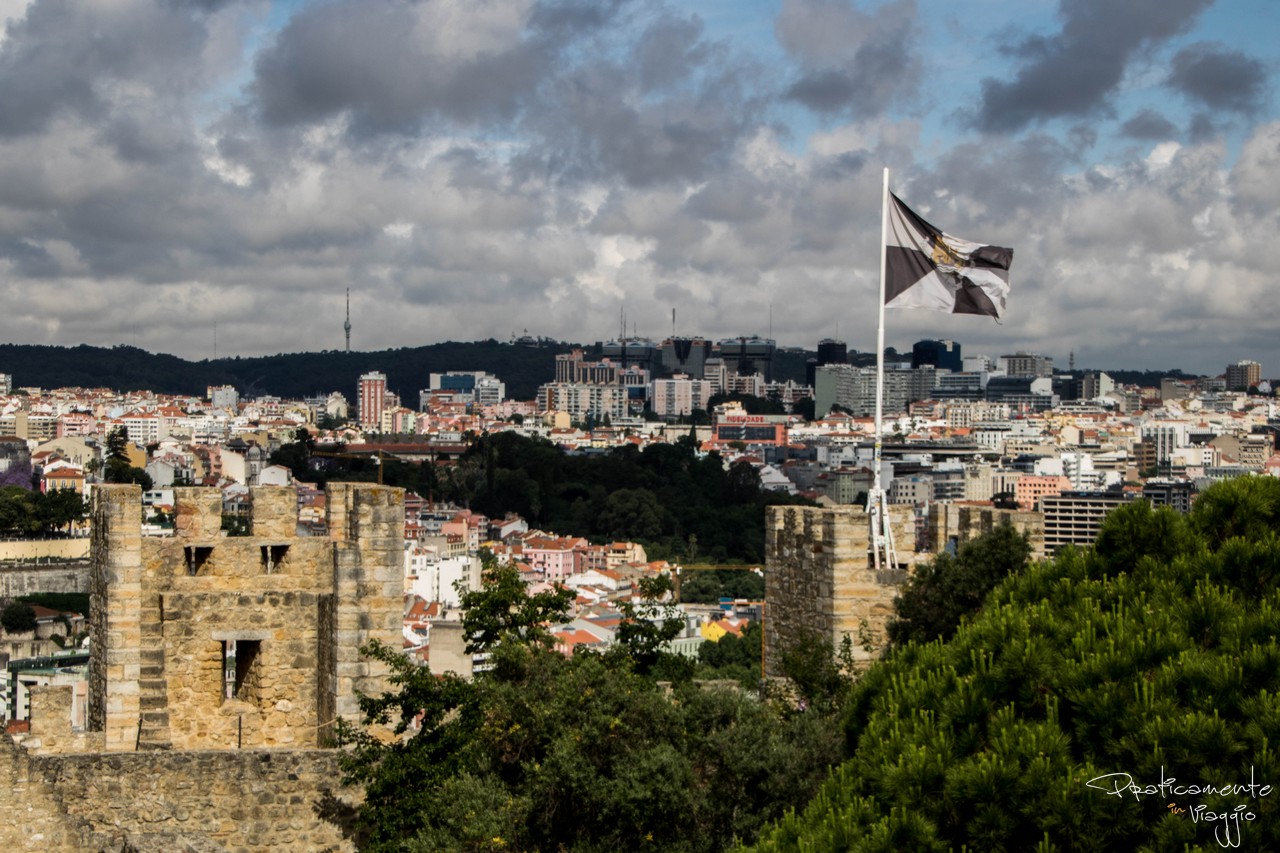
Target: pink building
x,y
1030,488
371,395
554,558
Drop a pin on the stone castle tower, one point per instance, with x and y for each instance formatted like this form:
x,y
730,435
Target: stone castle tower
x,y
202,641
218,668
820,580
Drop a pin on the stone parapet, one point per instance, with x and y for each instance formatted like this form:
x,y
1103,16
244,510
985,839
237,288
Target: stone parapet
x,y
31,816
251,800
218,666
274,512
197,513
820,580
955,524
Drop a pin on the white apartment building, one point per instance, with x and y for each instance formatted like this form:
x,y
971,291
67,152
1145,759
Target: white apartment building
x,y
581,401
679,396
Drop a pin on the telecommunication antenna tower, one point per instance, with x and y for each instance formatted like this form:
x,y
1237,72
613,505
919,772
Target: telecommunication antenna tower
x,y
346,327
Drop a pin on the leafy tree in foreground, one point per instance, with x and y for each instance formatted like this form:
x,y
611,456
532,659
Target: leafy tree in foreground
x,y
545,752
733,657
1081,674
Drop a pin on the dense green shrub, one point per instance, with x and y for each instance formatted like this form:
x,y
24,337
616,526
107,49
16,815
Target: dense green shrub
x,y
1153,655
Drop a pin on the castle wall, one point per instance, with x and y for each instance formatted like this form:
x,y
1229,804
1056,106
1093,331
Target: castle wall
x,y
115,614
367,525
966,522
819,578
218,665
254,801
30,815
216,642
17,579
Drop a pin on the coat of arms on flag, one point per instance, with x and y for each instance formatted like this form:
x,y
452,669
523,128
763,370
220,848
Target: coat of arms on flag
x,y
926,268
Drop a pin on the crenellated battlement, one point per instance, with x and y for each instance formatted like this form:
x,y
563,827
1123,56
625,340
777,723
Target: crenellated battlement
x,y
820,580
209,641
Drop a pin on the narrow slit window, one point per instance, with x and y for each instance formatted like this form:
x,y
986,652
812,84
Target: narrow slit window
x,y
238,668
196,556
272,557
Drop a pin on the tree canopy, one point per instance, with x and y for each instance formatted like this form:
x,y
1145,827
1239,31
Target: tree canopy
x,y
585,753
17,617
1150,657
29,513
944,590
660,496
667,497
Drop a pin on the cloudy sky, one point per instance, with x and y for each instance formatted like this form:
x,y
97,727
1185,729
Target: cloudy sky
x,y
478,168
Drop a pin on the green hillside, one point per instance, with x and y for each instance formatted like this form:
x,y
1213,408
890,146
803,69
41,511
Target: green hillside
x,y
295,375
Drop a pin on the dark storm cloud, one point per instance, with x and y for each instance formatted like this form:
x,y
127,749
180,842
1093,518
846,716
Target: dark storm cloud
x,y
1202,128
64,59
567,19
1219,78
1025,176
28,260
851,60
669,52
658,104
1074,71
393,65
643,144
1149,124
599,120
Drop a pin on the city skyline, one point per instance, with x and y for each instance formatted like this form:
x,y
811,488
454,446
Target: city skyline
x,y
471,171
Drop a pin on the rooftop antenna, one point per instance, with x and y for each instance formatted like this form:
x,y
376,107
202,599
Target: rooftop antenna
x,y
1071,360
346,327
673,322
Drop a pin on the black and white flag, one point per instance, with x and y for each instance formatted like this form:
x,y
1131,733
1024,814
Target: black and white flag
x,y
925,268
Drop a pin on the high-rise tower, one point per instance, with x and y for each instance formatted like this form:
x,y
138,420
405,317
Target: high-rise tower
x,y
371,395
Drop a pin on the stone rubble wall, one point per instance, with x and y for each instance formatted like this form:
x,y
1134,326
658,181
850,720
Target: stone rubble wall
x,y
50,724
279,704
31,818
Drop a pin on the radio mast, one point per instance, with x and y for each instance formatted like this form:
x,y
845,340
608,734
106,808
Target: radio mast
x,y
346,327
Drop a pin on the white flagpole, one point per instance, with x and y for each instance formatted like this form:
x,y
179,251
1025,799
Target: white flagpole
x,y
877,505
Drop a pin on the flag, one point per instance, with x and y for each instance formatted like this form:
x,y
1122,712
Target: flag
x,y
925,268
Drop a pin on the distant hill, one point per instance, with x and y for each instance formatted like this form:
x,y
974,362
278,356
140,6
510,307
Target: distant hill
x,y
304,374
290,375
